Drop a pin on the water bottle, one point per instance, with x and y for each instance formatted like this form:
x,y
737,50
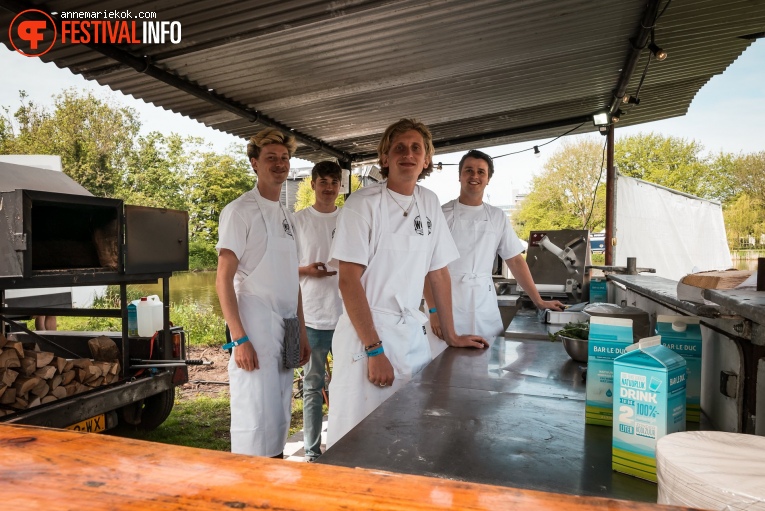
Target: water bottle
x,y
132,318
145,317
156,312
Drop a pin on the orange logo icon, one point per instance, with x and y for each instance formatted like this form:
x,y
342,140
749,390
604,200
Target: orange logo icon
x,y
34,34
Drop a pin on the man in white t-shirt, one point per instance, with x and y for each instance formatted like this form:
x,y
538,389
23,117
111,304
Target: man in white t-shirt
x,y
315,226
257,285
481,232
389,237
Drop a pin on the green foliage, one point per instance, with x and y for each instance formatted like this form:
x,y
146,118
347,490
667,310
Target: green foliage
x,y
743,217
305,196
562,196
202,256
673,162
215,181
202,422
93,136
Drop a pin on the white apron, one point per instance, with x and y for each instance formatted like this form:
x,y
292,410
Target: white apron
x,y
474,299
393,286
261,399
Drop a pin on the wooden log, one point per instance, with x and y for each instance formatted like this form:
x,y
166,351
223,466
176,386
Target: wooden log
x,y
8,397
81,375
103,349
115,368
21,403
717,279
8,376
97,382
3,341
59,392
82,363
44,358
16,345
70,388
93,373
35,401
69,365
48,399
9,358
28,366
41,389
59,363
46,372
55,381
24,384
81,388
67,377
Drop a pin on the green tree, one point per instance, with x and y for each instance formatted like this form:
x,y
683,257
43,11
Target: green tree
x,y
672,162
215,181
93,136
743,217
562,196
157,171
305,196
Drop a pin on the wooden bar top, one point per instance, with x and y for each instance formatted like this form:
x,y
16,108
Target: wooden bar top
x,y
45,469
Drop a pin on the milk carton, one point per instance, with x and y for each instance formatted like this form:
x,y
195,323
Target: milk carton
x,y
682,334
608,339
598,290
649,403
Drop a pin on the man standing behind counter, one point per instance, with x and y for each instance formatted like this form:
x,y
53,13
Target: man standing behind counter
x,y
257,285
389,236
322,305
481,232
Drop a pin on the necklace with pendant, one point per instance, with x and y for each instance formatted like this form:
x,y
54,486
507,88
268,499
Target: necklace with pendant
x,y
406,211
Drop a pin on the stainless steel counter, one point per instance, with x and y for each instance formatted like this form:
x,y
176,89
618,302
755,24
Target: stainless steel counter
x,y
511,415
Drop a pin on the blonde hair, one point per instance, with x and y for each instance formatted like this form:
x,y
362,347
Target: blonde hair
x,y
270,136
398,128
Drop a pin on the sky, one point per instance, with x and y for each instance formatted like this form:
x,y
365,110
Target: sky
x,y
728,114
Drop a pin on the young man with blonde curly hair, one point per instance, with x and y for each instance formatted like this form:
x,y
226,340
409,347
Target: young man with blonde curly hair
x,y
257,285
389,237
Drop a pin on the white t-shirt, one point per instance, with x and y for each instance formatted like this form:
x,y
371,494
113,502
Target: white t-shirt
x,y
242,230
508,244
322,304
358,226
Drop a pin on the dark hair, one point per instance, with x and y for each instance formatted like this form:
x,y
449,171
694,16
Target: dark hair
x,y
398,128
479,155
326,169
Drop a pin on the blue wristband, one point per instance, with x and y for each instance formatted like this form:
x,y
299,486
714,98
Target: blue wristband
x,y
375,352
433,310
237,342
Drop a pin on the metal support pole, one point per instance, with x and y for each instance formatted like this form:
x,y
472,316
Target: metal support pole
x,y
632,266
346,164
610,197
125,339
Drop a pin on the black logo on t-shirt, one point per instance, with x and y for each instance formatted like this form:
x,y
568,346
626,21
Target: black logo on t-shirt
x,y
287,228
333,233
418,225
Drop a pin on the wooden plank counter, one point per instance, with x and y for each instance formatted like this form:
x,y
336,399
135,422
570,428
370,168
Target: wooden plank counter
x,y
46,469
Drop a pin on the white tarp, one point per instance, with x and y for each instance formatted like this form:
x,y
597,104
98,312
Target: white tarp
x,y
675,233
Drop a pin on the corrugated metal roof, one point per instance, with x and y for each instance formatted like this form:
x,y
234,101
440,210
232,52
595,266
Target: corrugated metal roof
x,y
340,72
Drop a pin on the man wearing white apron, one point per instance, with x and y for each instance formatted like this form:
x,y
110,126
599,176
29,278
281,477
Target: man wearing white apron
x,y
257,285
389,237
481,232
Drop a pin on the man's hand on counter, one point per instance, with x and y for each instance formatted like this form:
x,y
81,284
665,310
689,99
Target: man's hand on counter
x,y
553,305
467,341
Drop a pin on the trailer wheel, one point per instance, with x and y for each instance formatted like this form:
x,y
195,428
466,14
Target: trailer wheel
x,y
148,414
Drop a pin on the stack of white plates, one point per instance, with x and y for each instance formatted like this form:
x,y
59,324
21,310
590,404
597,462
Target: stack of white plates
x,y
711,470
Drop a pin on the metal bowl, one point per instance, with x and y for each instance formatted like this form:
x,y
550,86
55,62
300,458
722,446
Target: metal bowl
x,y
576,348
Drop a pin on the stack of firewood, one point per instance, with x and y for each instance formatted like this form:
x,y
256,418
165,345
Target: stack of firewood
x,y
29,377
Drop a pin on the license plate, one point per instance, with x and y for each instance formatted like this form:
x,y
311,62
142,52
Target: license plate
x,y
92,425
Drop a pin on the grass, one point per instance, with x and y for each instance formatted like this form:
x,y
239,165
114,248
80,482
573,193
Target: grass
x,y
203,422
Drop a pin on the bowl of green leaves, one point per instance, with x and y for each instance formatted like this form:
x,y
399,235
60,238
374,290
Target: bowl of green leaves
x,y
574,338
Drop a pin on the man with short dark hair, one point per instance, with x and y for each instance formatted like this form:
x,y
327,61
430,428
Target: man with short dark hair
x,y
481,232
315,226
